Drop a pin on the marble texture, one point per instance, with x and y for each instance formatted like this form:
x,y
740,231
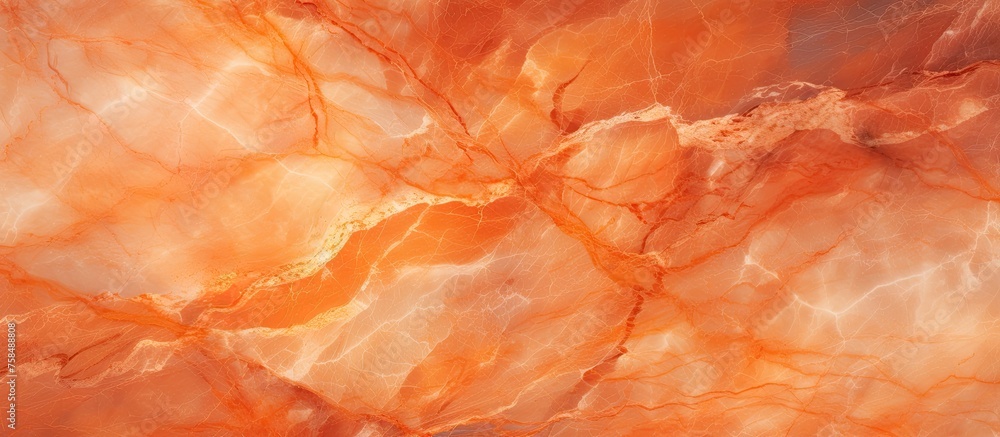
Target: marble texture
x,y
554,217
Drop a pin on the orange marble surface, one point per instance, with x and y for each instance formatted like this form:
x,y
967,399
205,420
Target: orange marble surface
x,y
501,218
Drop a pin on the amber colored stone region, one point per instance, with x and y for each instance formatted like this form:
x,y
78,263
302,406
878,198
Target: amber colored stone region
x,y
500,218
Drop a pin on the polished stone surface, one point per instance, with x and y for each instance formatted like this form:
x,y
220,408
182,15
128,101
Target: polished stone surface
x,y
556,218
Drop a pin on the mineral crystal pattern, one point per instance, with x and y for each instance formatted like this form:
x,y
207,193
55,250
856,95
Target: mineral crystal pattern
x,y
500,218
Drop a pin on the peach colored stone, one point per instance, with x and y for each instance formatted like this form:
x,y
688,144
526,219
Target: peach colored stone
x,y
556,218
